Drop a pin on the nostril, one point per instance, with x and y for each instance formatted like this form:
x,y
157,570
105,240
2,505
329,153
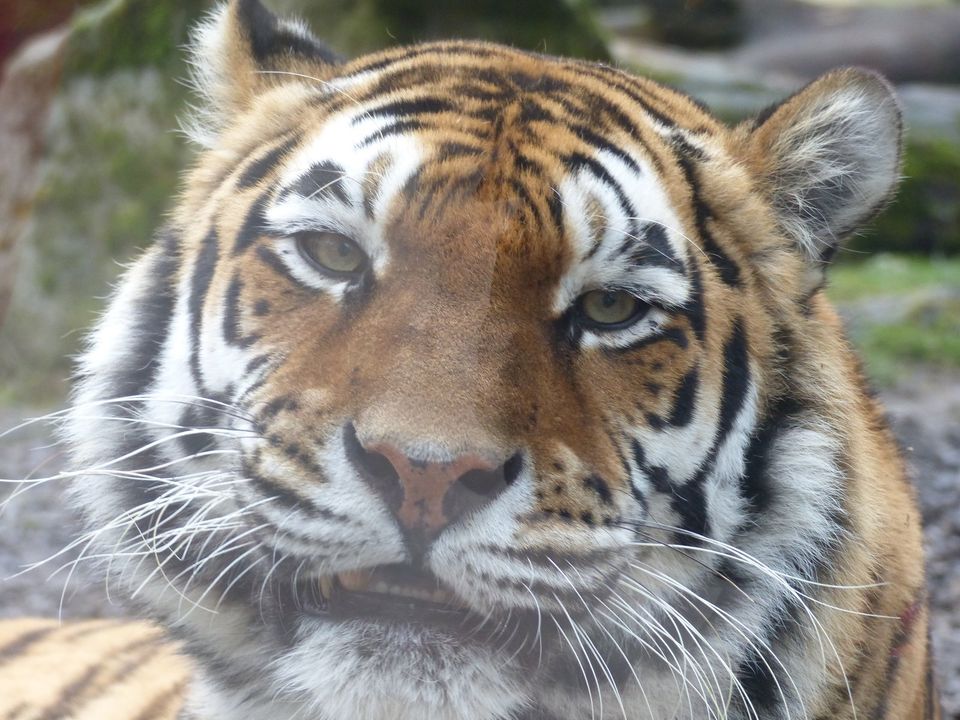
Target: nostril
x,y
490,482
375,468
483,482
478,487
378,465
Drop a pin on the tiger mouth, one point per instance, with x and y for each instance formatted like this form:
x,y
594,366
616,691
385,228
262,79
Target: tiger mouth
x,y
391,592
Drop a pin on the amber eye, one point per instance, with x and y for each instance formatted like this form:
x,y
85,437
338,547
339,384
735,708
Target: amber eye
x,y
332,253
611,309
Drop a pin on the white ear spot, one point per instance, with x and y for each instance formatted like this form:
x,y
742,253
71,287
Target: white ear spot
x,y
832,156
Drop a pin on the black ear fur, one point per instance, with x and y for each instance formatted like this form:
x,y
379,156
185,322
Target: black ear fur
x,y
269,37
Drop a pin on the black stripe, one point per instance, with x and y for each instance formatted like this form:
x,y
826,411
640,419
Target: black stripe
x,y
273,261
599,486
556,208
254,225
289,497
321,181
407,107
83,688
231,316
396,128
533,111
199,416
601,109
204,268
901,638
577,161
231,311
461,49
685,156
694,310
527,200
651,248
736,379
659,476
671,334
257,362
152,314
685,399
259,167
14,649
137,374
618,81
689,501
628,473
763,680
451,150
755,485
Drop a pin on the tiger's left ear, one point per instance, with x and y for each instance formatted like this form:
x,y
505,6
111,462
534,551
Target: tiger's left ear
x,y
828,157
241,49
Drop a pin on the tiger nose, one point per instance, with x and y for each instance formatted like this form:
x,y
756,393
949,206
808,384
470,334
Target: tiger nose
x,y
426,497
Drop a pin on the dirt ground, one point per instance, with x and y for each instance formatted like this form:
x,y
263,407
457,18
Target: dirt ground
x,y
924,410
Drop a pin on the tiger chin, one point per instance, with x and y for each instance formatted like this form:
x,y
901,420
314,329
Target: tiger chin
x,y
466,383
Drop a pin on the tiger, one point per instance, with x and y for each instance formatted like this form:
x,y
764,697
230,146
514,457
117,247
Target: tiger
x,y
469,383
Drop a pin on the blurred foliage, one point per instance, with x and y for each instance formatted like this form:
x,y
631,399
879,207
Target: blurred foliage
x,y
132,33
901,310
558,27
696,23
925,216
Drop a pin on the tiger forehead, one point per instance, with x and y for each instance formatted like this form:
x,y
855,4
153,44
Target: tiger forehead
x,y
460,96
475,72
567,164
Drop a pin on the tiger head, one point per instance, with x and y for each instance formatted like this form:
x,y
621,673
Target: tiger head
x,y
472,383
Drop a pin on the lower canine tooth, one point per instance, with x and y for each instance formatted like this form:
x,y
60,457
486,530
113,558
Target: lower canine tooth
x,y
355,581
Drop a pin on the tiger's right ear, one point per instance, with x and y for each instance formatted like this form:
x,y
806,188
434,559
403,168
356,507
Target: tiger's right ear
x,y
242,49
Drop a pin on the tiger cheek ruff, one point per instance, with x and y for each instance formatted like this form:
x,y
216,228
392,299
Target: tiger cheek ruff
x,y
467,383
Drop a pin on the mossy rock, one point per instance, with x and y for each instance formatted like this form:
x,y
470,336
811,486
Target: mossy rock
x,y
121,34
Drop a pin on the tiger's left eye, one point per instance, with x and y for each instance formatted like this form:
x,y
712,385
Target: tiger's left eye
x,y
611,309
333,253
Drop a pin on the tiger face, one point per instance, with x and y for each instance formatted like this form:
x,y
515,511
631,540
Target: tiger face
x,y
470,383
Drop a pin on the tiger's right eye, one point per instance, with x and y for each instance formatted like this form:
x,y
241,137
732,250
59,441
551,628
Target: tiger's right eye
x,y
332,253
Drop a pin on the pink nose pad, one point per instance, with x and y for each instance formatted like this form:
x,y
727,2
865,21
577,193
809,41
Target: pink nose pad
x,y
434,493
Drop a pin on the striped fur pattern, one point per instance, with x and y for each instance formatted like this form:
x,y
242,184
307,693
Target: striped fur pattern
x,y
703,516
92,670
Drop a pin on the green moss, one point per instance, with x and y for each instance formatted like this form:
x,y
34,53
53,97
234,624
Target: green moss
x,y
109,176
122,34
900,311
930,336
892,275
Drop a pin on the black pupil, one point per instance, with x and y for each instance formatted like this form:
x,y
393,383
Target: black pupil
x,y
343,247
609,300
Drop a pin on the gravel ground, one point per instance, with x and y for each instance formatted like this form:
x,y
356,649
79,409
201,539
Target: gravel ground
x,y
925,412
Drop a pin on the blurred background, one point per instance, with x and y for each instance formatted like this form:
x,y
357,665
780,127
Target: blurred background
x,y
90,154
